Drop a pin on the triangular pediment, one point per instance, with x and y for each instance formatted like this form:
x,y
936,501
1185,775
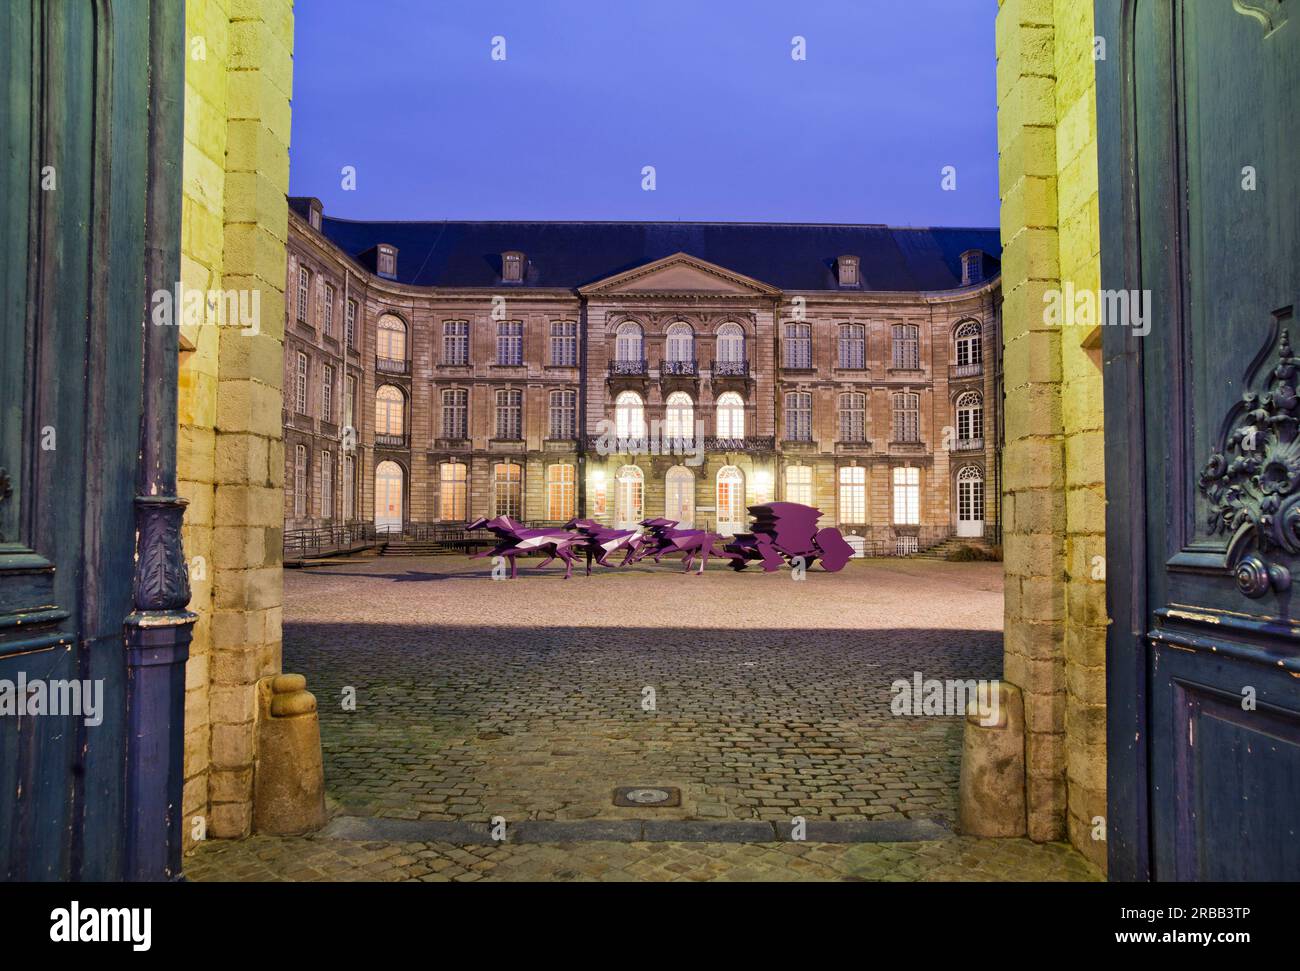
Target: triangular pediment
x,y
680,273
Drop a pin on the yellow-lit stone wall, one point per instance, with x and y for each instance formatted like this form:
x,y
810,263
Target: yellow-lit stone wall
x,y
238,86
1054,498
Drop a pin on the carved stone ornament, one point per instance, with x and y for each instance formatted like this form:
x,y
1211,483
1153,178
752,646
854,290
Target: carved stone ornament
x,y
1271,13
1253,480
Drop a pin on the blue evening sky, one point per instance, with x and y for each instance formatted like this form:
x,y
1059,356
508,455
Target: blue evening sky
x,y
591,91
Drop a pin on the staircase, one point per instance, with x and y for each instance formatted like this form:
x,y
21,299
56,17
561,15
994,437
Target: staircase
x,y
941,550
415,547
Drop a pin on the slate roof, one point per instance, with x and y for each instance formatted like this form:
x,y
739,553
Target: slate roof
x,y
790,256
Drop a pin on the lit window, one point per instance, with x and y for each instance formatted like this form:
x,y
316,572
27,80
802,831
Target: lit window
x,y
853,494
559,493
392,340
799,484
907,496
731,416
453,481
629,416
731,500
507,490
679,417
679,496
390,411
629,499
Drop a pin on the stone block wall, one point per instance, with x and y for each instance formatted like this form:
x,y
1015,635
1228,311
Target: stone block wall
x,y
230,457
1053,476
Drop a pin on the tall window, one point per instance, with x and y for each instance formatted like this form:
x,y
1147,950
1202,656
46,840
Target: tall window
x,y
564,343
853,346
629,497
389,411
300,481
907,347
507,490
300,386
798,416
969,349
628,343
629,415
907,497
907,416
564,416
853,417
798,345
392,339
304,292
455,342
799,484
970,417
853,494
453,482
455,413
329,310
350,402
731,344
679,417
510,342
327,394
349,488
680,347
350,325
679,496
510,415
731,416
559,493
731,500
327,485
970,495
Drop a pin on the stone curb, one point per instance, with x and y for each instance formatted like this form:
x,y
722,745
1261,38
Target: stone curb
x,y
380,829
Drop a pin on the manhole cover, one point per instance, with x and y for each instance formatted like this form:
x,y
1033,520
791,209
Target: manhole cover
x,y
647,796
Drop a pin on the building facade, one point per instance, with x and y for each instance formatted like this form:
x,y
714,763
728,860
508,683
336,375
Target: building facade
x,y
438,372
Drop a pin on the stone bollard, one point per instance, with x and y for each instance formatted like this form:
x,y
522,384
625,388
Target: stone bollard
x,y
289,775
992,790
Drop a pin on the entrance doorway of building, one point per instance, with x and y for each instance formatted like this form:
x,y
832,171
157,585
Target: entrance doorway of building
x,y
679,496
731,500
388,497
629,497
970,502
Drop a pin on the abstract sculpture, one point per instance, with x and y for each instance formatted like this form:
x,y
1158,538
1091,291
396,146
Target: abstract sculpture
x,y
783,533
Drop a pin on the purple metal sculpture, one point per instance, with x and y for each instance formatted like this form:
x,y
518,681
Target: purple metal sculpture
x,y
515,540
783,532
786,530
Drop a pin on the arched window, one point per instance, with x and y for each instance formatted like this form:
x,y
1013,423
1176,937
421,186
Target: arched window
x,y
679,417
680,345
731,500
799,484
454,483
628,343
969,348
629,499
390,411
629,415
970,501
970,419
679,496
731,416
559,493
508,490
388,497
730,355
390,353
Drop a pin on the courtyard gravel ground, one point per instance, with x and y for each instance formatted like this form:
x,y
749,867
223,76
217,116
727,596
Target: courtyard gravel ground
x,y
760,697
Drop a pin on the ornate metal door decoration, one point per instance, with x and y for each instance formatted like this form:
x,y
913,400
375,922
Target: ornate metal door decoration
x,y
1253,480
1270,13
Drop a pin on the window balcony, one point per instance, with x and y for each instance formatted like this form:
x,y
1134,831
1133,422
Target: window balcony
x,y
730,369
389,366
682,368
966,370
390,441
747,444
627,368
969,445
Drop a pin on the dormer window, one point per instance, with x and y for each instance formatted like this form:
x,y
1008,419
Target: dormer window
x,y
315,213
846,268
972,267
512,267
387,261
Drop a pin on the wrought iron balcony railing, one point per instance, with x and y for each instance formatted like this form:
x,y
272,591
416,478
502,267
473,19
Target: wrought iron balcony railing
x,y
390,366
630,368
965,370
687,368
730,369
390,441
969,445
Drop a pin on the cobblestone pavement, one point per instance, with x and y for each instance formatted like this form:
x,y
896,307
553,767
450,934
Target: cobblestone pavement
x,y
309,858
530,699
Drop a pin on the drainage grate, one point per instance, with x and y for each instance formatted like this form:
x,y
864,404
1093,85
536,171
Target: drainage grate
x,y
653,796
